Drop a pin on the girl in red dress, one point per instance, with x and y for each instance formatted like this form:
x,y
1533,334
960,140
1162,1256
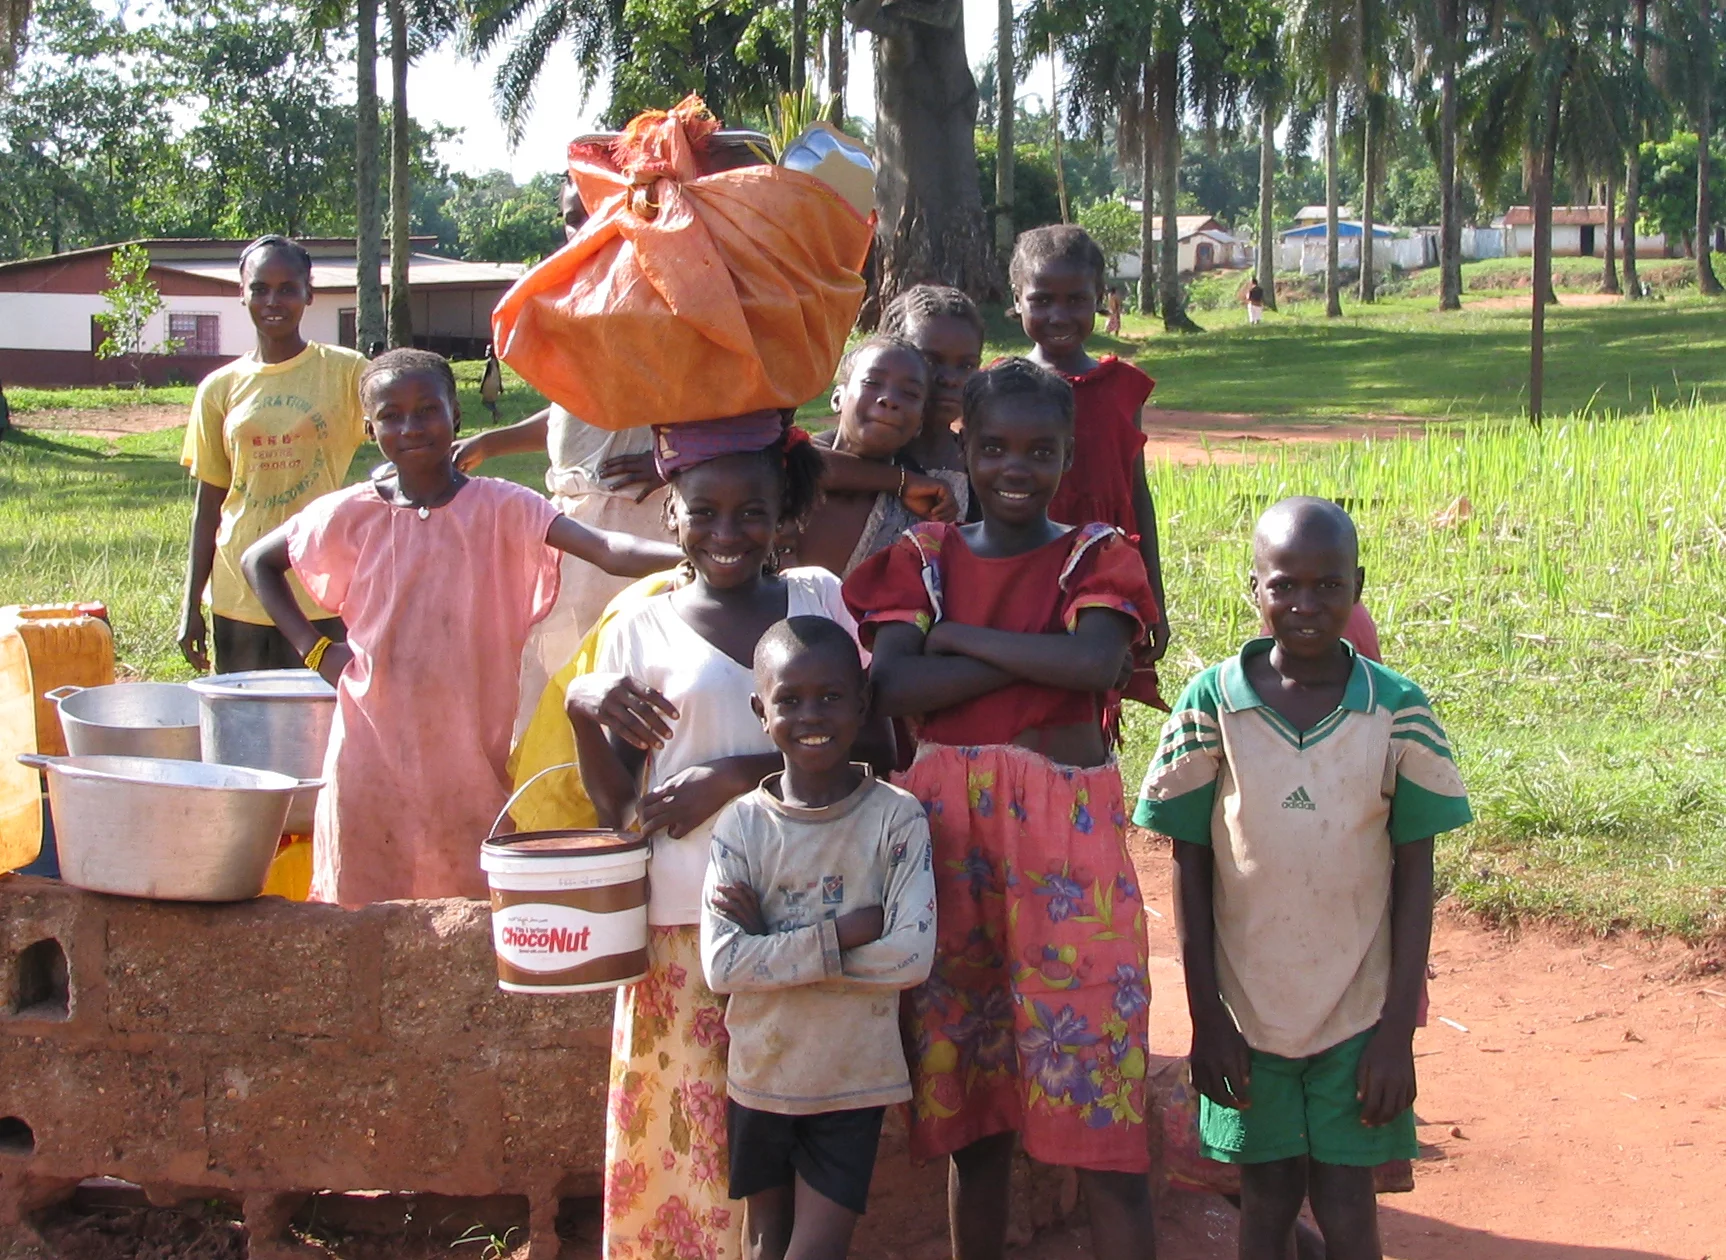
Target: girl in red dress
x,y
1003,641
1057,276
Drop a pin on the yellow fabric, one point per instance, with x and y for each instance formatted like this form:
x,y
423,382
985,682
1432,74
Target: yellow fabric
x,y
559,800
291,870
277,435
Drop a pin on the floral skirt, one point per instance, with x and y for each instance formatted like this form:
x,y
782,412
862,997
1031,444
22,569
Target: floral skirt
x,y
665,1147
1036,1016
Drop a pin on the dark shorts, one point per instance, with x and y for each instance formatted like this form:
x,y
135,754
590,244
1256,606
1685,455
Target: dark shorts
x,y
242,646
833,1151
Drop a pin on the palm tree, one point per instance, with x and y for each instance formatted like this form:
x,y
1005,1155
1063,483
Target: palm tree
x,y
1322,47
1693,79
1549,87
1006,114
415,25
1375,43
369,324
530,30
1633,163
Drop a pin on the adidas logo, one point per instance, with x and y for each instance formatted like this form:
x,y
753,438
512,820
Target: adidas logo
x,y
1298,799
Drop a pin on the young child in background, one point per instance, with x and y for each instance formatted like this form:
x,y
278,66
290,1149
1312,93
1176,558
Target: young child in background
x,y
1255,302
658,736
438,577
1004,640
947,327
1057,277
819,906
880,402
603,478
1113,327
1304,890
269,433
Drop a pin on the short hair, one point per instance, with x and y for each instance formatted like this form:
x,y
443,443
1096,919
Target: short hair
x,y
1308,520
798,635
1060,242
272,244
404,361
930,301
879,341
1018,378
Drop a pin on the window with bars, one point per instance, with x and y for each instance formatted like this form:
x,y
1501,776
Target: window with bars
x,y
197,334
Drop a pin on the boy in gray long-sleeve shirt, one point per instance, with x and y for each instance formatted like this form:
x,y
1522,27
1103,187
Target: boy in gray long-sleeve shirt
x,y
819,908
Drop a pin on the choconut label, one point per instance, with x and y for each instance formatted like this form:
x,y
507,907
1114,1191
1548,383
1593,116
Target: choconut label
x,y
543,942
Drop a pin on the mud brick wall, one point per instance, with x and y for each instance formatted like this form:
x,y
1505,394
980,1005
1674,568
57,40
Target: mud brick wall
x,y
267,1049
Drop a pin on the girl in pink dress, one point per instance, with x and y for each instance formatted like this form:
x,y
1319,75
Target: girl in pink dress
x,y
439,577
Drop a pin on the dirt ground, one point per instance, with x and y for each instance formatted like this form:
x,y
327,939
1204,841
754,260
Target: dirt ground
x,y
107,422
1219,437
1574,300
1572,1107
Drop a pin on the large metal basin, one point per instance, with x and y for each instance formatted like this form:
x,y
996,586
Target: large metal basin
x,y
170,830
270,719
130,720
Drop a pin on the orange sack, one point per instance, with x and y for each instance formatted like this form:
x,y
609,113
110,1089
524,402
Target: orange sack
x,y
687,296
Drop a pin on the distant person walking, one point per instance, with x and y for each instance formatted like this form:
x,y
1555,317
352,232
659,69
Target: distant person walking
x,y
1112,327
1255,303
269,432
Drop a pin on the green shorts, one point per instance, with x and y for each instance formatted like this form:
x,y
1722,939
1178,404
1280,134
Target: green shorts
x,y
1305,1107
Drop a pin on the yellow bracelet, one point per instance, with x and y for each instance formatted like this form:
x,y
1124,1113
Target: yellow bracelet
x,y
315,657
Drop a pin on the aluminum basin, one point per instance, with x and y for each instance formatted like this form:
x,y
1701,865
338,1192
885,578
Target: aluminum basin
x,y
130,720
164,829
269,719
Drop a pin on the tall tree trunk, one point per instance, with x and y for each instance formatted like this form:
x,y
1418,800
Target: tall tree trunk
x,y
1450,217
1332,268
1267,259
1609,271
1369,138
1006,116
1706,281
1055,124
837,70
1633,164
368,207
1171,299
1541,190
401,239
931,227
1148,186
799,44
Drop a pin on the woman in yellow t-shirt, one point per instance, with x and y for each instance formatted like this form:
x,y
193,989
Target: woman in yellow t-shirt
x,y
269,433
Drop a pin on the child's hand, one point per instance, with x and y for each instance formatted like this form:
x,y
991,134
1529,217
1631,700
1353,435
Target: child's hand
x,y
1385,1080
685,801
639,714
929,497
1221,1061
469,453
740,904
860,927
628,472
194,640
1159,642
334,660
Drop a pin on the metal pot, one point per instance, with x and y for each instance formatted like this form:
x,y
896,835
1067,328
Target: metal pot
x,y
129,720
269,719
171,830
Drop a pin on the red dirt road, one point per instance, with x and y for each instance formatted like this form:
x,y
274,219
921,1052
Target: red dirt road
x,y
1216,437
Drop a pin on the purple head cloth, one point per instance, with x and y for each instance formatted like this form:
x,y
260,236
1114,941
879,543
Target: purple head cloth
x,y
680,446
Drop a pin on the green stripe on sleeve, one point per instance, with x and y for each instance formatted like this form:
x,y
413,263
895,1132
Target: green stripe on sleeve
x,y
1417,812
1423,740
1185,817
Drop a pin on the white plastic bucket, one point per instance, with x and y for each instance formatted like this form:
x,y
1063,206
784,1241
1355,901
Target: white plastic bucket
x,y
568,908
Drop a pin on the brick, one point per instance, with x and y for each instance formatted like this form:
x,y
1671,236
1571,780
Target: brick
x,y
265,967
553,1108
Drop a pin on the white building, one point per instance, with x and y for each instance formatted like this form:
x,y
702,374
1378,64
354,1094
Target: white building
x,y
49,334
1205,245
1577,232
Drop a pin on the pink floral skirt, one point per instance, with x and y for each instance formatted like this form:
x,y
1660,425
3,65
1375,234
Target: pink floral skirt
x,y
1036,1016
665,1147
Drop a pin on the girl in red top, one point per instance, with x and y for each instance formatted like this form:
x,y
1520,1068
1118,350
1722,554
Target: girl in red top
x,y
1057,275
1003,640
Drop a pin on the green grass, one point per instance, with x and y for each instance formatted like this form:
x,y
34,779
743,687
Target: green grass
x,y
1572,633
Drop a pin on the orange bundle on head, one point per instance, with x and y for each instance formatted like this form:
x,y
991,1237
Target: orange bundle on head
x,y
687,295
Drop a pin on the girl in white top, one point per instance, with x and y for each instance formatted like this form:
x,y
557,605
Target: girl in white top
x,y
668,707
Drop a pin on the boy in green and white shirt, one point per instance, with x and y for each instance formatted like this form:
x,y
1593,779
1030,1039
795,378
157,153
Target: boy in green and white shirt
x,y
1302,785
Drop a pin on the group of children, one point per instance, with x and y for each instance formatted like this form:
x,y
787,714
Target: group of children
x,y
870,728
